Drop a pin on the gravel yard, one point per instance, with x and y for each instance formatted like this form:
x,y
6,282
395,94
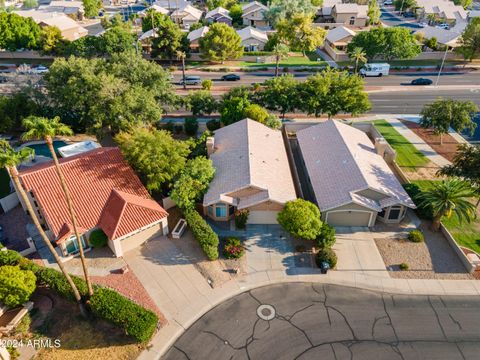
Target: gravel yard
x,y
432,259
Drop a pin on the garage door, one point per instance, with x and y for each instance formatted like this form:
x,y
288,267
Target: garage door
x,y
262,217
348,218
138,239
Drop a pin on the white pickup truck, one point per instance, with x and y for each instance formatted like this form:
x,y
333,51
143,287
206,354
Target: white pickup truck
x,y
380,69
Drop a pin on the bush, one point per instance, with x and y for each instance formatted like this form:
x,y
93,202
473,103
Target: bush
x,y
9,257
415,236
169,126
326,239
16,285
207,84
301,219
241,218
425,211
233,248
203,233
56,281
213,125
403,266
327,255
98,238
191,126
134,319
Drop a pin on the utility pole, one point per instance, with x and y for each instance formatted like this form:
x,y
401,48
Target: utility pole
x,y
441,66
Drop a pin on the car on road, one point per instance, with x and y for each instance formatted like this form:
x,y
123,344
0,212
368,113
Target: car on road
x,y
423,24
191,80
421,81
40,69
388,2
230,77
408,14
444,26
380,69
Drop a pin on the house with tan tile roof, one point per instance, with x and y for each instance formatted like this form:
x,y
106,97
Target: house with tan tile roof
x,y
251,172
352,183
107,195
253,14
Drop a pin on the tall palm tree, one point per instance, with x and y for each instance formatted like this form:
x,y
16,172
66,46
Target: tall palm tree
x,y
280,51
46,129
450,197
9,159
359,56
181,56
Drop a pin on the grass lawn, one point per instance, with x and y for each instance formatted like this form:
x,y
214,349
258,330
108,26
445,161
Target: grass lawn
x,y
294,60
408,156
4,183
467,235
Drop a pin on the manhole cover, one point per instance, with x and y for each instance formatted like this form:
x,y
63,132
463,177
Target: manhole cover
x,y
266,312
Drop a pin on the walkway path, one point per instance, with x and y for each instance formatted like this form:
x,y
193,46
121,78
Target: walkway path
x,y
327,58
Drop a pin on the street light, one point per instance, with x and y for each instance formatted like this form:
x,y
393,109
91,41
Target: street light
x,y
441,66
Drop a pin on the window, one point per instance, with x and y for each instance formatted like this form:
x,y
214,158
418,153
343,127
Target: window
x,y
210,210
221,211
382,213
71,244
394,213
231,210
352,20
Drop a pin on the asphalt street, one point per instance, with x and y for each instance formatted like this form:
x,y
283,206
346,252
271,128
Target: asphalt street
x,y
315,321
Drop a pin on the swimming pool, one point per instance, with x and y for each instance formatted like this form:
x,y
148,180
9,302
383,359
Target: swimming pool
x,y
41,149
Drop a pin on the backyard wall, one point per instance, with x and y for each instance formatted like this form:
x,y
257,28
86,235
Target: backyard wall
x,y
9,202
461,255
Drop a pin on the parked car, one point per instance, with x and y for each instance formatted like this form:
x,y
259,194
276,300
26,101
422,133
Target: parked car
x,y
423,24
408,14
388,2
191,80
444,26
230,77
421,81
40,69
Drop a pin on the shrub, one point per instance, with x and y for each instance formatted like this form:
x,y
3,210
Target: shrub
x,y
16,285
403,266
207,84
425,211
134,319
203,233
191,126
415,236
213,125
98,238
327,255
233,248
169,126
56,281
241,218
326,239
9,257
301,218
26,264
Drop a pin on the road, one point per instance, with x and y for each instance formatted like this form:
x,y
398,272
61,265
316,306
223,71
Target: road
x,y
390,19
315,321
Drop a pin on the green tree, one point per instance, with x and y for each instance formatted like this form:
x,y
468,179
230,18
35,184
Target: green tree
x,y
51,40
404,5
450,197
300,34
169,36
13,109
388,43
470,40
30,4
17,32
256,112
233,105
39,128
358,55
466,165
221,43
236,13
16,285
193,182
116,39
284,9
92,7
301,219
273,122
374,12
227,4
332,92
154,154
280,51
445,113
465,3
201,102
280,94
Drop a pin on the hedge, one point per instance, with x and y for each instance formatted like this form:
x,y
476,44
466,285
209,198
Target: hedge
x,y
424,211
9,257
98,238
57,282
204,234
134,319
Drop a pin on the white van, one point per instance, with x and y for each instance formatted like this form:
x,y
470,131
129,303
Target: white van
x,y
191,80
381,69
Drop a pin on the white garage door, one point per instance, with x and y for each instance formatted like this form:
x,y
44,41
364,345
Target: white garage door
x,y
262,217
348,218
138,239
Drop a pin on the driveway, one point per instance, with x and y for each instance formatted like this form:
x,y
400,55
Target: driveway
x,y
315,321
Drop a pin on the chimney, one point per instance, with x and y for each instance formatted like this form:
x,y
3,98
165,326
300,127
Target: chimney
x,y
210,145
380,146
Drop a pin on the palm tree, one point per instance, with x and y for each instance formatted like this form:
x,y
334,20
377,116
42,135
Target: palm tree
x,y
450,197
9,159
181,55
46,129
280,51
359,56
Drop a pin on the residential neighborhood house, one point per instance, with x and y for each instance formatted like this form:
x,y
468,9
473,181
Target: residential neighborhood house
x,y
334,13
253,39
351,182
442,10
73,9
220,15
336,42
253,14
251,173
186,16
107,195
195,36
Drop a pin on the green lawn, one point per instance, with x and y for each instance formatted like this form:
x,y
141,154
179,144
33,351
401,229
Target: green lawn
x,y
4,183
408,156
467,235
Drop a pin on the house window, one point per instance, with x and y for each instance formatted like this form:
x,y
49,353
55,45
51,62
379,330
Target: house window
x,y
221,210
394,213
71,244
382,213
352,20
210,210
231,210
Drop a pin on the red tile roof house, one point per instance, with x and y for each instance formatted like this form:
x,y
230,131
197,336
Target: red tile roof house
x,y
107,194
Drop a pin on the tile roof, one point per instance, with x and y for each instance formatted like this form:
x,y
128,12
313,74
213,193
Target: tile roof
x,y
198,33
250,32
91,177
342,161
249,154
253,7
220,11
339,33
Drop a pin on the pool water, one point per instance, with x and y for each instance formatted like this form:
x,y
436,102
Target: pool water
x,y
42,149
